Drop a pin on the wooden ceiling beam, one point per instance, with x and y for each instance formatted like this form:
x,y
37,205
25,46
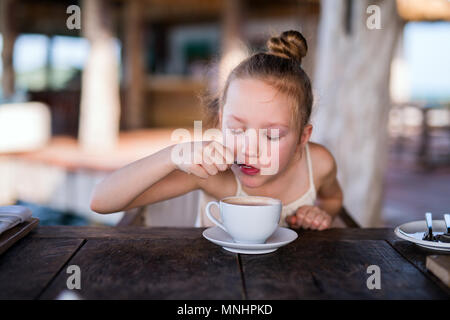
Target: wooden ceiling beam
x,y
49,16
424,10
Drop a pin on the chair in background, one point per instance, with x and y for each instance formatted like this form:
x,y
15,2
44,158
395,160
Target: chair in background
x,y
425,157
431,134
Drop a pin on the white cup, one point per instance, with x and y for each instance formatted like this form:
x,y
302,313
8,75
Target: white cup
x,y
249,219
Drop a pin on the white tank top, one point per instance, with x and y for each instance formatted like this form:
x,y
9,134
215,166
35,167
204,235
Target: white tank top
x,y
308,198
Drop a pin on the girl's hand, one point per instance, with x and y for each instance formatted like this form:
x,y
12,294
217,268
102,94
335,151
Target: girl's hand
x,y
203,160
310,217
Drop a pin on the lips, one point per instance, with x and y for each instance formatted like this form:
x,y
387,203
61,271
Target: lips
x,y
249,170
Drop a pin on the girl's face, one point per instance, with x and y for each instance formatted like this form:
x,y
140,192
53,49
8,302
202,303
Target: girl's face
x,y
252,115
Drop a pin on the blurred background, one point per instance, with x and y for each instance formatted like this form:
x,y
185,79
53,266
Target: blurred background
x,y
89,86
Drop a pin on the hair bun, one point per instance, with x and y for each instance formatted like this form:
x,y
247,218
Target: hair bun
x,y
290,44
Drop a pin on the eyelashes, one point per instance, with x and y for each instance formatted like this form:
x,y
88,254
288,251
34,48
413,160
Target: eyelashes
x,y
240,131
236,131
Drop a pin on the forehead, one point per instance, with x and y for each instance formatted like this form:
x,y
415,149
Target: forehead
x,y
257,102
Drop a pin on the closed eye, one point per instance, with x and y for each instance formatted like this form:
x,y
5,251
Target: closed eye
x,y
237,131
274,134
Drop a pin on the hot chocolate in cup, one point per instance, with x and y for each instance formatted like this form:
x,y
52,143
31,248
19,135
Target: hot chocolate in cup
x,y
251,219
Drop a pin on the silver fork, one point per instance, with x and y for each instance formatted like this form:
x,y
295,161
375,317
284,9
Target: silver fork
x,y
446,236
429,235
447,222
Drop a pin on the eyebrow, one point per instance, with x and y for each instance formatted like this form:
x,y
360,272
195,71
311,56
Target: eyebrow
x,y
266,125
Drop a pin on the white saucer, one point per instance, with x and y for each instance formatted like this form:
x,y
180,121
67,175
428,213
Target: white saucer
x,y
281,237
414,231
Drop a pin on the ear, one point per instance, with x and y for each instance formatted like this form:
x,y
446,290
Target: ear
x,y
304,138
306,134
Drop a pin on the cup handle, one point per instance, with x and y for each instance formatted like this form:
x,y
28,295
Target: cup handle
x,y
210,216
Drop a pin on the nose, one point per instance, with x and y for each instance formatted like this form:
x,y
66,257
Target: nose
x,y
250,148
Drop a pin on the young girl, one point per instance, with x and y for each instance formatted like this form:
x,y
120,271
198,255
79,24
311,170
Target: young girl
x,y
266,91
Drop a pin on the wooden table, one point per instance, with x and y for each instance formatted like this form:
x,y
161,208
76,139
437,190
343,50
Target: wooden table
x,y
170,263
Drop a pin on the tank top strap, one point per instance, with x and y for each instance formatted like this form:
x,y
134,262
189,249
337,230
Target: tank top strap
x,y
310,169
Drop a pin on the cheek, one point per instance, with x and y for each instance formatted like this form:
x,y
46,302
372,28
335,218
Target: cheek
x,y
279,152
232,142
284,153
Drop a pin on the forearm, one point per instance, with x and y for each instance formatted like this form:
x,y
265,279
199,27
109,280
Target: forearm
x,y
332,204
118,189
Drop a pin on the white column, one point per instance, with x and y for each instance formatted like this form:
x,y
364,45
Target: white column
x,y
352,95
100,101
134,64
233,49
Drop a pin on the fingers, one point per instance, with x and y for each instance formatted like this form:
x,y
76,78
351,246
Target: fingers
x,y
208,160
292,221
317,221
211,169
301,214
199,171
326,223
214,158
217,155
225,153
310,217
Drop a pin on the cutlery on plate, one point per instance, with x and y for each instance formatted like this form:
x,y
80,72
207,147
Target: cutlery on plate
x,y
446,236
429,235
447,222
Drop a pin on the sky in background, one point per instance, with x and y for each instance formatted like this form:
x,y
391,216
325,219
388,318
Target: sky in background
x,y
30,52
426,49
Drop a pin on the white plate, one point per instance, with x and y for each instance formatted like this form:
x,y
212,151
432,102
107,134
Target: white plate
x,y
281,237
414,231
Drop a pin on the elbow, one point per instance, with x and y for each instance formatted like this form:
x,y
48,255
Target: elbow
x,y
94,207
97,204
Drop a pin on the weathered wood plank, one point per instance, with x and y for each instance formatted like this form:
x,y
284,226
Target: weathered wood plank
x,y
28,266
417,256
134,232
348,234
153,269
322,269
11,236
103,232
177,263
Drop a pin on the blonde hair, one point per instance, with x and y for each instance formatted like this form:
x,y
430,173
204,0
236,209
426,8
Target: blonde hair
x,y
281,68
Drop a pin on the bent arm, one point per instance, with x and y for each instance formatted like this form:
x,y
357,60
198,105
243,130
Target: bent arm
x,y
148,180
330,196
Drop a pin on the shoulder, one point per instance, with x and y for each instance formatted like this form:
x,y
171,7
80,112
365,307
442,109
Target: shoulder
x,y
323,162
